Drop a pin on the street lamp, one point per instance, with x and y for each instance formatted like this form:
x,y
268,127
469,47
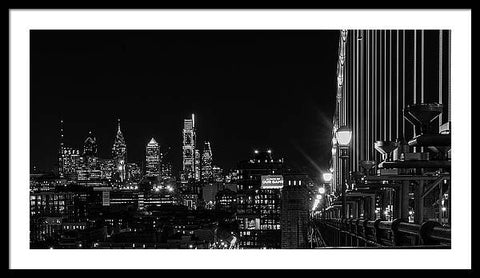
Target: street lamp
x,y
322,191
343,136
327,177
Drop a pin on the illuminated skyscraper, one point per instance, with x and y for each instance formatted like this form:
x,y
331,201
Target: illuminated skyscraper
x,y
217,174
166,171
68,161
197,164
119,154
152,159
188,169
134,172
107,168
67,157
90,146
206,173
165,164
88,167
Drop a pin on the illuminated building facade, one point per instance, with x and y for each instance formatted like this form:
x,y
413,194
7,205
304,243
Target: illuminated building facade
x,y
226,200
166,170
134,172
67,158
68,162
88,167
231,176
87,174
217,174
107,167
258,204
207,174
189,153
90,146
197,165
190,201
119,155
152,159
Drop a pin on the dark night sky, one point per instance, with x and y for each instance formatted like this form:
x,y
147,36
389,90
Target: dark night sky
x,y
248,90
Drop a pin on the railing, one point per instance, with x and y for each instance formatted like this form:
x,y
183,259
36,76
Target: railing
x,y
379,233
314,236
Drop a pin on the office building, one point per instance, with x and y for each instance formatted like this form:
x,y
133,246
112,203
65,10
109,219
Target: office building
x,y
119,155
152,159
259,201
189,158
68,158
90,146
207,173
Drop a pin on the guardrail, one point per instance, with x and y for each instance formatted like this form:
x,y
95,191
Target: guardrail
x,y
379,233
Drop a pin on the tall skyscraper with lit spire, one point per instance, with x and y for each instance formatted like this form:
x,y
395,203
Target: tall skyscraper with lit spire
x,y
207,158
90,145
152,159
119,154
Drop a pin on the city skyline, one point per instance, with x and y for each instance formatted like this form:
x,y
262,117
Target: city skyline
x,y
157,110
86,147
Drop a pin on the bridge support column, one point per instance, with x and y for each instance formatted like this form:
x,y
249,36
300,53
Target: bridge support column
x,y
383,204
397,204
372,208
355,209
361,213
419,202
405,197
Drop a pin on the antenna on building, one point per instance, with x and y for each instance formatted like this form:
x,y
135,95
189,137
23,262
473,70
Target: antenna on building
x,y
193,120
118,124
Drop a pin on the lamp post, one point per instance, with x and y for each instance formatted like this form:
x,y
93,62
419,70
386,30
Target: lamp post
x,y
327,178
343,136
323,199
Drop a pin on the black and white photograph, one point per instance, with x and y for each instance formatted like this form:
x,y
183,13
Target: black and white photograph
x,y
176,140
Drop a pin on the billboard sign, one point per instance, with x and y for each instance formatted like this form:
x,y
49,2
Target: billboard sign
x,y
272,182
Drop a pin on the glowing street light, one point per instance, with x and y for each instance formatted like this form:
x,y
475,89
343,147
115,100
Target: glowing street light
x,y
321,190
343,136
327,177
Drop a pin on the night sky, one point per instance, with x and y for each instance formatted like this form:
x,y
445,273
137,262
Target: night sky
x,y
248,89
